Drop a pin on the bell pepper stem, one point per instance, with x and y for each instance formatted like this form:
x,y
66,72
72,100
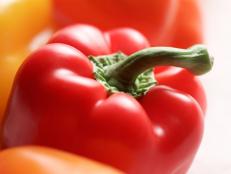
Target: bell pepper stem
x,y
123,74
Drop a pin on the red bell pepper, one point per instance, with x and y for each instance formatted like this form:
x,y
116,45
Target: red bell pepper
x,y
123,118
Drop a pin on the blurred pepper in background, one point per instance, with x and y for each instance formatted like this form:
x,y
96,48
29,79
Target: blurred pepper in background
x,y
20,22
41,160
164,22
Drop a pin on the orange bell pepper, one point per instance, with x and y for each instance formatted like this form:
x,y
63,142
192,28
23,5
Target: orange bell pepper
x,y
20,21
41,160
164,22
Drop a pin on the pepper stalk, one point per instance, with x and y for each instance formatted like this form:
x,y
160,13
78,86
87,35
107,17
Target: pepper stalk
x,y
134,74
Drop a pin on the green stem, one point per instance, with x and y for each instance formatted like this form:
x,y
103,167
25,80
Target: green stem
x,y
123,74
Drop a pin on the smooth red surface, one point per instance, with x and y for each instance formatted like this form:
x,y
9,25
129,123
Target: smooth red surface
x,y
56,102
163,22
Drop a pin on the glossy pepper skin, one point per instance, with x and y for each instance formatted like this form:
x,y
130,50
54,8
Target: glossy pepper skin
x,y
57,102
20,22
164,22
41,160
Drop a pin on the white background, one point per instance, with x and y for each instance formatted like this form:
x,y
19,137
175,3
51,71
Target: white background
x,y
214,156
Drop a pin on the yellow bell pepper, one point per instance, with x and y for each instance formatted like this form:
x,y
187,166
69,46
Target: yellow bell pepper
x,y
20,22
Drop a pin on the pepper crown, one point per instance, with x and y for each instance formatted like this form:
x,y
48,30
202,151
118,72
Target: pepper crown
x,y
133,74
